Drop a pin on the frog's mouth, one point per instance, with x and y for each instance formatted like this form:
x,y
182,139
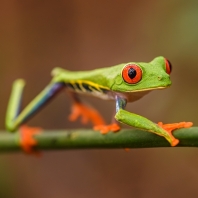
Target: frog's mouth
x,y
149,89
132,96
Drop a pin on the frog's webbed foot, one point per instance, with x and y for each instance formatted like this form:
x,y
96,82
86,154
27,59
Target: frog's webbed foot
x,y
27,140
171,127
87,114
106,128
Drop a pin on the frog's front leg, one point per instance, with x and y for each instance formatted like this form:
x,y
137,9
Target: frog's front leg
x,y
114,126
140,122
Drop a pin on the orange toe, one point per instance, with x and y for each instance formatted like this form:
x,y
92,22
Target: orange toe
x,y
106,128
27,140
171,127
174,141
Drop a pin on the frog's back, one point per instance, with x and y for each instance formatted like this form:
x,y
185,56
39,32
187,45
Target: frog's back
x,y
98,82
94,82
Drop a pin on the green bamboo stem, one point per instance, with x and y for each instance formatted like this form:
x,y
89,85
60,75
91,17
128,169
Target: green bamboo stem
x,y
89,139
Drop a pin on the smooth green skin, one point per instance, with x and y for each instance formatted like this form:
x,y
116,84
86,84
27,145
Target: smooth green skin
x,y
154,76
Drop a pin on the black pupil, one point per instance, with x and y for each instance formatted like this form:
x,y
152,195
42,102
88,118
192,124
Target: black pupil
x,y
131,73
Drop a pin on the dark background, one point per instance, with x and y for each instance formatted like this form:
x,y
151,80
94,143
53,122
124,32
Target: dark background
x,y
36,36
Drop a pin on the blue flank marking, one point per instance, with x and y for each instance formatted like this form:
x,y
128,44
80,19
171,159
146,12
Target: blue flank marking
x,y
51,90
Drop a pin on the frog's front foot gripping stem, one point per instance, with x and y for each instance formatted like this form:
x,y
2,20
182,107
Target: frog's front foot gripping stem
x,y
140,122
171,127
160,129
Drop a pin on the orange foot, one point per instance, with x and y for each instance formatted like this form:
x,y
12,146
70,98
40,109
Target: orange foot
x,y
27,140
87,113
170,127
106,128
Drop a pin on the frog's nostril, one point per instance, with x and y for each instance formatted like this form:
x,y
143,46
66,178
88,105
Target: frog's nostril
x,y
159,77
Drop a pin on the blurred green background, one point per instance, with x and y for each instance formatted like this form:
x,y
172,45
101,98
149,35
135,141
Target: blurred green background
x,y
36,36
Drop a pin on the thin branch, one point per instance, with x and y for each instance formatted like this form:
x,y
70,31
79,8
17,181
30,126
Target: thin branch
x,y
87,139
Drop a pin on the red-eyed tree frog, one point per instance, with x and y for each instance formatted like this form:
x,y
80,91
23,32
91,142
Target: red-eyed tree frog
x,y
123,83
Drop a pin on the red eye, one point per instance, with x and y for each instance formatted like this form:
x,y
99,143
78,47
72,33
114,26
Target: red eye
x,y
168,66
132,73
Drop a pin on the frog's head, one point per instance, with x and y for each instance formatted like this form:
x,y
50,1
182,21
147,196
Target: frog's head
x,y
136,77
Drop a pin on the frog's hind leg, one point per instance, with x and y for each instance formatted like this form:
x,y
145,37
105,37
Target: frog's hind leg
x,y
15,118
86,112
